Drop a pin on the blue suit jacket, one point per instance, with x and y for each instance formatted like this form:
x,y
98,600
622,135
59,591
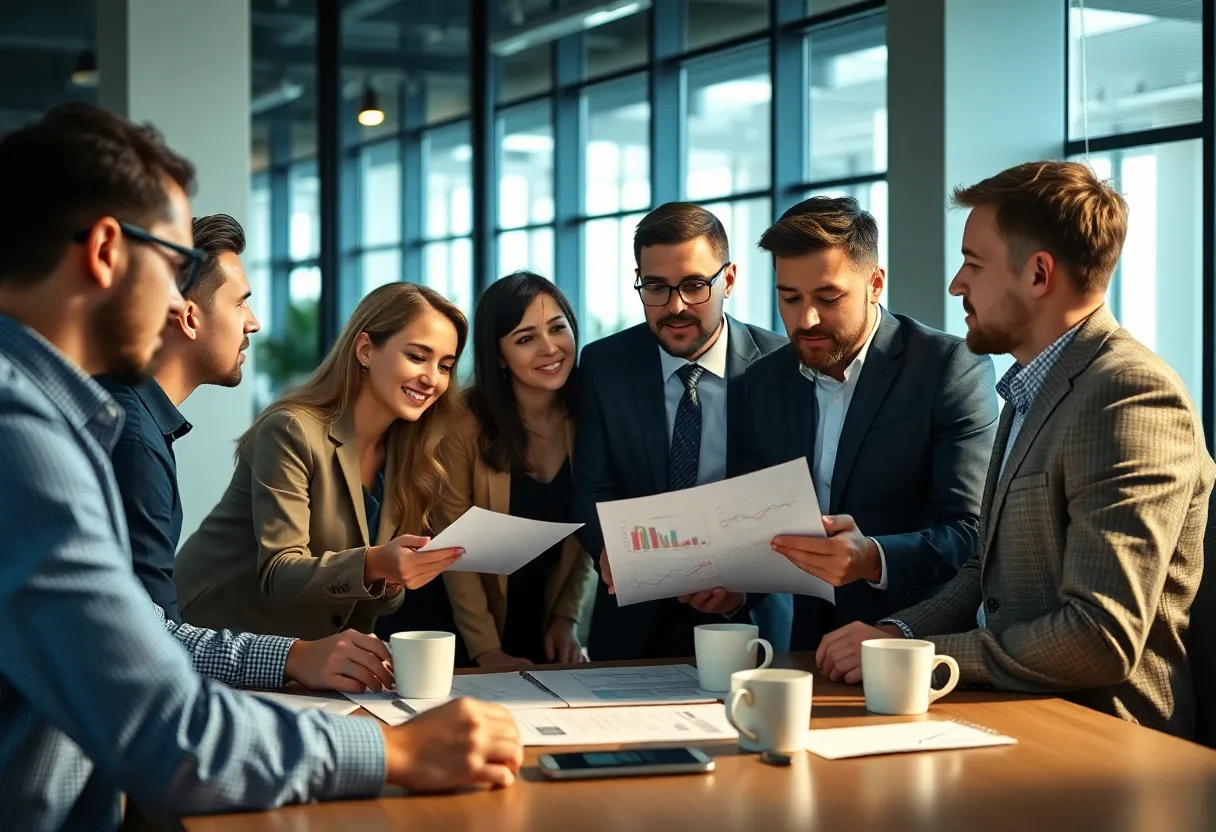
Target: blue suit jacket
x,y
620,451
910,465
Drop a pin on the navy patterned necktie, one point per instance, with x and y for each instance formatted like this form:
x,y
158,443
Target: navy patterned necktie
x,y
685,455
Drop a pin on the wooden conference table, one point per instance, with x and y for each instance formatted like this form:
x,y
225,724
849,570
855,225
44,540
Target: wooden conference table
x,y
1071,769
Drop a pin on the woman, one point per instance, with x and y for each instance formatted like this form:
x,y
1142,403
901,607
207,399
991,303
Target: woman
x,y
308,539
512,455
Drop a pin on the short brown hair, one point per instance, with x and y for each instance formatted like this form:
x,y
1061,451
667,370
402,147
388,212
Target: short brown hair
x,y
1059,207
62,173
214,235
823,222
678,222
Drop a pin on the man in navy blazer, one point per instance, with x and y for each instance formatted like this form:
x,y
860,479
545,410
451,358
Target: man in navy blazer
x,y
656,402
896,421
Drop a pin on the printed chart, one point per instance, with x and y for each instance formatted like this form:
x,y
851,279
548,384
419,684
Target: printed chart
x,y
765,511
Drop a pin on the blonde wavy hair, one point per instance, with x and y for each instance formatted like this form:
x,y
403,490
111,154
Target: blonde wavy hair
x,y
333,387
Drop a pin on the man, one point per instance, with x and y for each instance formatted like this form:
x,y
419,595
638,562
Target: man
x,y
895,419
657,403
1091,543
205,344
96,699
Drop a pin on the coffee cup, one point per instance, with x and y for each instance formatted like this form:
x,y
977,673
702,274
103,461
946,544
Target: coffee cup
x,y
723,649
897,674
423,661
771,709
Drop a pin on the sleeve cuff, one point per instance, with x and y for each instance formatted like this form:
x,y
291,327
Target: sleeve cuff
x,y
903,628
359,764
266,662
882,555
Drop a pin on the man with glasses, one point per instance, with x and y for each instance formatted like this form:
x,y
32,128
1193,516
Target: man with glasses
x,y
96,698
656,402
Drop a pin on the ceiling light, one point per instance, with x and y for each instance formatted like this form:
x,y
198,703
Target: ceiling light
x,y
370,114
569,20
85,74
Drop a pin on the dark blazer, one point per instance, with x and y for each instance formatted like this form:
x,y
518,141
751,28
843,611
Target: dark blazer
x,y
910,465
620,452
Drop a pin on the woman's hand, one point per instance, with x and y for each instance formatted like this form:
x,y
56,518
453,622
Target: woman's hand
x,y
400,562
562,644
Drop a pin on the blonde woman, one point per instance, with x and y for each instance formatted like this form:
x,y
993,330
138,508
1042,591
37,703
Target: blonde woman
x,y
316,530
511,454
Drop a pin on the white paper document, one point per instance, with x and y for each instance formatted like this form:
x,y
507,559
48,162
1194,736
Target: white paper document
x,y
331,704
604,686
511,690
894,738
599,726
714,535
498,544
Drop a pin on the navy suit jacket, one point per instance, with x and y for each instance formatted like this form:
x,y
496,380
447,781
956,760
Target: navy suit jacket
x,y
910,465
620,451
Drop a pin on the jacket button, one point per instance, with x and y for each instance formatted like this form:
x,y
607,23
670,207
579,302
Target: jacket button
x,y
337,619
992,605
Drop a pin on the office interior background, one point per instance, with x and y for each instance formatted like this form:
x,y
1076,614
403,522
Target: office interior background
x,y
536,133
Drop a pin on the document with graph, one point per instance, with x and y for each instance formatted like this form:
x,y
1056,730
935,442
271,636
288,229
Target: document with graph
x,y
714,535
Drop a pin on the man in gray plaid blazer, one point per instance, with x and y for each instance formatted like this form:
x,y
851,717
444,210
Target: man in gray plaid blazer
x,y
1096,502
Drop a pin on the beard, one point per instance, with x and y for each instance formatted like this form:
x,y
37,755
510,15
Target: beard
x,y
232,378
843,345
1001,330
701,335
115,325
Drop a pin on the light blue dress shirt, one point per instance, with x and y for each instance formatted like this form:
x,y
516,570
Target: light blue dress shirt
x,y
96,698
711,389
832,399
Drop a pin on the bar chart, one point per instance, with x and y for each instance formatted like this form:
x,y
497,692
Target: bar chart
x,y
680,532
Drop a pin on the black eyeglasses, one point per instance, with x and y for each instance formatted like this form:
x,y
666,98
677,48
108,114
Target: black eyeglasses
x,y
693,291
187,269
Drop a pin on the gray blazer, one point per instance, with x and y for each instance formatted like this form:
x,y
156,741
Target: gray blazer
x,y
1091,541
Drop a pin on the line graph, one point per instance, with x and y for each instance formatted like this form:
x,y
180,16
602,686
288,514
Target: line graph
x,y
673,574
763,511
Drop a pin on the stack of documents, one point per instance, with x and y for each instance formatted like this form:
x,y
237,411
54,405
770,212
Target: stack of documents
x,y
894,738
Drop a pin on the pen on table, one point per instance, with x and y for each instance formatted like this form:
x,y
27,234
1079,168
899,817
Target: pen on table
x,y
400,703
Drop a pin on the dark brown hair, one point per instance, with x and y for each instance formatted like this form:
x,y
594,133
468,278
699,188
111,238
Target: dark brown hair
x,y
1062,208
214,235
62,173
679,222
823,222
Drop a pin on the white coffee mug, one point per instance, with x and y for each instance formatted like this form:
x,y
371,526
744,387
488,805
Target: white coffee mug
x,y
771,709
897,674
423,661
723,649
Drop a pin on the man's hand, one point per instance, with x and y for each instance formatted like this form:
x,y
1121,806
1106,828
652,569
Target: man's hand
x,y
844,556
839,653
562,644
606,572
462,743
399,562
716,601
349,661
499,658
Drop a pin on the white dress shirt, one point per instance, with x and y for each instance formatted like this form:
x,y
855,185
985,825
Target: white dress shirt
x,y
711,389
833,398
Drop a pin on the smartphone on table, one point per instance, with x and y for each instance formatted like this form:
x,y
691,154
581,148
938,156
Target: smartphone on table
x,y
638,762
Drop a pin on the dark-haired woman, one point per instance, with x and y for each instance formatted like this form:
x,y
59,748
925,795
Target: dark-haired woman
x,y
512,455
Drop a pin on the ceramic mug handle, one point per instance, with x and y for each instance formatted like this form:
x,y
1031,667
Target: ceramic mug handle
x,y
732,703
938,661
768,651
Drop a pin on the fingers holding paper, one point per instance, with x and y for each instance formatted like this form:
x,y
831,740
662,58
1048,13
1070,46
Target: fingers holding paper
x,y
606,572
400,562
844,556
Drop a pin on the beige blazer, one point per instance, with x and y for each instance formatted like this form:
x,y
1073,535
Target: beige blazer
x,y
283,550
479,602
1091,540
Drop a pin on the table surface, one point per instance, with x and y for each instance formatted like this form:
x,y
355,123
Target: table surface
x,y
1072,768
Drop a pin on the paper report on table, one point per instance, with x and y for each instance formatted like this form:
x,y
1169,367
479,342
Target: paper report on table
x,y
714,535
498,544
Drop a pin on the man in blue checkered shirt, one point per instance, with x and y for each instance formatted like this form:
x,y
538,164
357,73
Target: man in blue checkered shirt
x,y
96,698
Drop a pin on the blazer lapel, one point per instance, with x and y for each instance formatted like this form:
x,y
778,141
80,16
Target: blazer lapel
x,y
646,380
342,433
741,351
877,373
390,510
1075,358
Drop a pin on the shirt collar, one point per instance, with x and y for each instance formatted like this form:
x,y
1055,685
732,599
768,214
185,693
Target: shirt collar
x,y
714,359
855,365
1020,385
168,418
84,402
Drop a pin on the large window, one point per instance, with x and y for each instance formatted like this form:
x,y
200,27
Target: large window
x,y
608,276
447,259
617,153
525,189
727,111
